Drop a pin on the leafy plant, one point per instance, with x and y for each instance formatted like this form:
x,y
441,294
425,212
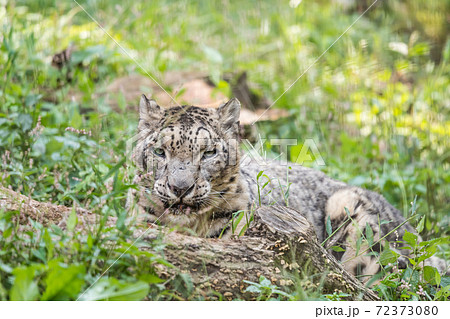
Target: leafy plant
x,y
375,104
265,290
417,281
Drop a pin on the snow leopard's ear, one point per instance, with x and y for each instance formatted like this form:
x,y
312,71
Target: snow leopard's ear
x,y
229,117
150,113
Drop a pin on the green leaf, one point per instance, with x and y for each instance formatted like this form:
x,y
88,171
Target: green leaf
x,y
369,234
347,212
24,287
236,220
183,284
76,120
445,281
7,232
114,169
72,221
25,121
412,277
90,241
32,99
358,245
414,206
212,55
388,256
86,55
48,244
328,226
359,180
259,175
436,241
429,251
151,279
63,282
337,248
410,238
421,225
266,183
252,288
5,268
384,221
431,275
58,231
40,254
263,281
113,289
443,293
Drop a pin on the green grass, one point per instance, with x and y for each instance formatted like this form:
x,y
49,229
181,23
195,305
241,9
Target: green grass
x,y
378,114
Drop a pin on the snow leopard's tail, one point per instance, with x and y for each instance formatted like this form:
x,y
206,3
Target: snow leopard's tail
x,y
360,218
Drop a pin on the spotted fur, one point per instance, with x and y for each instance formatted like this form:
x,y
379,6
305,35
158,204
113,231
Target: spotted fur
x,y
191,175
188,163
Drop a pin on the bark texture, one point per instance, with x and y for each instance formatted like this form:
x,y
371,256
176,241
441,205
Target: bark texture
x,y
280,245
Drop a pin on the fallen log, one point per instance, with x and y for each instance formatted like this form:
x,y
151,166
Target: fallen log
x,y
280,245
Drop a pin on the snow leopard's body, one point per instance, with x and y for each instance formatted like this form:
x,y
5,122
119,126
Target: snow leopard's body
x,y
191,175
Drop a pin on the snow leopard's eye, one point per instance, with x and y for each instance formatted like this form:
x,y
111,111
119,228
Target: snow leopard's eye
x,y
159,152
209,154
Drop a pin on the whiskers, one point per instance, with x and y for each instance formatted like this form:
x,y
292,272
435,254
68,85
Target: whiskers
x,y
219,198
214,200
210,201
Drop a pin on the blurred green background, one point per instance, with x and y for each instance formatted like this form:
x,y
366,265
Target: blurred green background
x,y
377,103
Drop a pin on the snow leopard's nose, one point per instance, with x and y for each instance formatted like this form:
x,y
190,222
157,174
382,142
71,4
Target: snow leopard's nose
x,y
181,179
181,191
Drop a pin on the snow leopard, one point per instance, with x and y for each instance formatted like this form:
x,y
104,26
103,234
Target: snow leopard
x,y
190,174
